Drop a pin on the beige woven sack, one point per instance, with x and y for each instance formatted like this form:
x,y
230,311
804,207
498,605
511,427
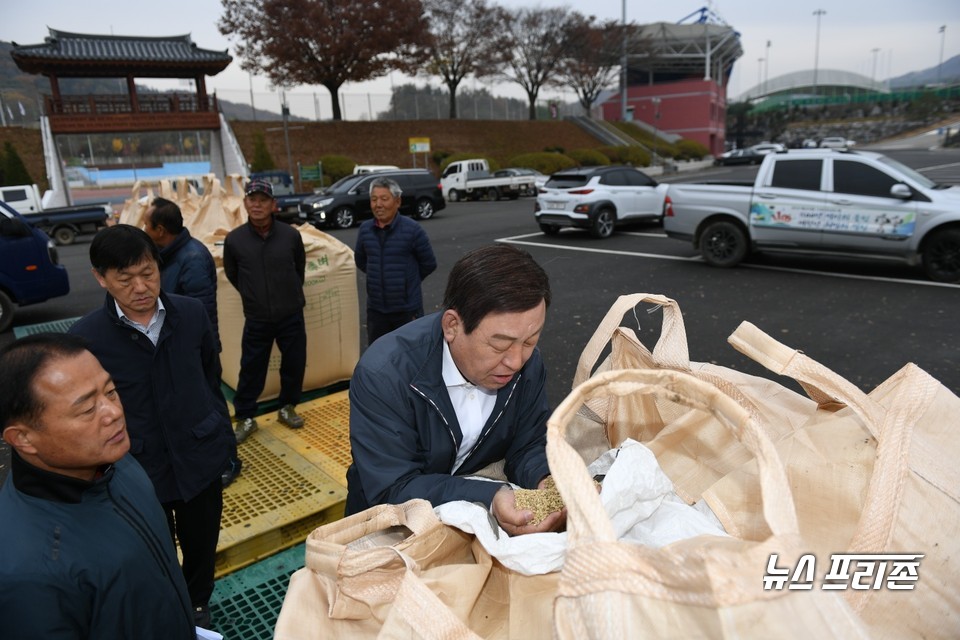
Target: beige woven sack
x,y
331,314
693,448
136,205
873,474
703,587
396,571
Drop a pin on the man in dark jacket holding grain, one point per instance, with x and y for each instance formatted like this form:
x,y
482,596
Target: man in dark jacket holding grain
x,y
440,399
395,253
160,350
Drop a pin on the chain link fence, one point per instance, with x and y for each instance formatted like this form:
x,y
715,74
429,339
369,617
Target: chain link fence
x,y
419,105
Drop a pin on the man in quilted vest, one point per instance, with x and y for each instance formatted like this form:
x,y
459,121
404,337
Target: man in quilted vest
x,y
395,253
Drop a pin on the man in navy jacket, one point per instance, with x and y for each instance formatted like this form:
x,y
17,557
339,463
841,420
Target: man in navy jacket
x,y
162,354
187,269
84,547
447,395
395,253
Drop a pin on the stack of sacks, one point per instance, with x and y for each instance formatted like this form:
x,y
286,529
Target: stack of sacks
x,y
218,208
332,312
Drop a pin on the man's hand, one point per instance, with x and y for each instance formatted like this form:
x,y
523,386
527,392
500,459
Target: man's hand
x,y
516,522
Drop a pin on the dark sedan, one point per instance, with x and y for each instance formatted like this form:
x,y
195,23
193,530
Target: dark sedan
x,y
739,156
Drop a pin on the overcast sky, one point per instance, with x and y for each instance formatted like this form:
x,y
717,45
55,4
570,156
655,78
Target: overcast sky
x,y
904,33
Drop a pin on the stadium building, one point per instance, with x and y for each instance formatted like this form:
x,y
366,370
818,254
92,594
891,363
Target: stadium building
x,y
677,77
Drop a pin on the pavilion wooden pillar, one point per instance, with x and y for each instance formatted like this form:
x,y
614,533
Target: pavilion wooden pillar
x,y
200,81
132,91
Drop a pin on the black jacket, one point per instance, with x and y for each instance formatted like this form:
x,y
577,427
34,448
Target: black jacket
x,y
187,269
176,414
268,272
88,559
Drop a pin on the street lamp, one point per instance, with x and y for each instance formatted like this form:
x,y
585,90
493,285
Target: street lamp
x,y
759,77
816,50
656,135
623,68
943,34
766,69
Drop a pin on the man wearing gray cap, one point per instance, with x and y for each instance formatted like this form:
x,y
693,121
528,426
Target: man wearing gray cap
x,y
265,261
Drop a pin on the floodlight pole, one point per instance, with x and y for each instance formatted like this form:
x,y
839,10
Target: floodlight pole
x,y
816,50
623,68
656,128
943,34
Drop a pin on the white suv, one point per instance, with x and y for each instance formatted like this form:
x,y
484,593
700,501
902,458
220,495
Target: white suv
x,y
598,199
834,142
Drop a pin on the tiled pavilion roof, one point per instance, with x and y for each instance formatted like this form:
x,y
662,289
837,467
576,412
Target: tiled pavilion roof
x,y
85,55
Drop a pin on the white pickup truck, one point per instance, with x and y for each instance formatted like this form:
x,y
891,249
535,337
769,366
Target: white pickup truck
x,y
823,201
472,179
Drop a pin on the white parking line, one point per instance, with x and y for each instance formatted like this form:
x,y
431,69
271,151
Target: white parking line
x,y
656,256
521,240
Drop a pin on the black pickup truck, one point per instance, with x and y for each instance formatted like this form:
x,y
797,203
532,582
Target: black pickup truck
x,y
63,224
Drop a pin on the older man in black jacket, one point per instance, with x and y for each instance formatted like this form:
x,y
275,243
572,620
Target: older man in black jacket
x,y
162,355
266,261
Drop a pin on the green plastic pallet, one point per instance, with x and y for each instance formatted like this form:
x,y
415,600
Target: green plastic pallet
x,y
246,604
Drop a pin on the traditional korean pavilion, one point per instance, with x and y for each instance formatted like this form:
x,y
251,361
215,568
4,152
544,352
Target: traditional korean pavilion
x,y
74,55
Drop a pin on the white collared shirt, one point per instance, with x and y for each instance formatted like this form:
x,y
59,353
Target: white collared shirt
x,y
152,328
472,404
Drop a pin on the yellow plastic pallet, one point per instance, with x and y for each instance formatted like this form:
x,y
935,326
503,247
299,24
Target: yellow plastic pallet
x,y
293,481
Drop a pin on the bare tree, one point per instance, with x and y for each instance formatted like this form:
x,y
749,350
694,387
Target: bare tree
x,y
536,49
591,57
325,42
466,38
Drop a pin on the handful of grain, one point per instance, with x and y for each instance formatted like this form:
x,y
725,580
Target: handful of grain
x,y
542,502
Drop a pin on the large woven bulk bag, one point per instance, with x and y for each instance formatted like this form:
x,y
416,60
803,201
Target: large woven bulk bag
x,y
396,571
332,315
693,448
703,587
870,474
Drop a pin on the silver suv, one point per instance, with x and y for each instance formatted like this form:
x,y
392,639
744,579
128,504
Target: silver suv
x,y
598,199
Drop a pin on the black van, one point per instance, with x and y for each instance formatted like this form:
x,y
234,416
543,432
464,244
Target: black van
x,y
347,201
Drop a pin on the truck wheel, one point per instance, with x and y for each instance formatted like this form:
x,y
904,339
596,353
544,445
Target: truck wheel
x,y
453,196
6,312
603,224
424,209
941,255
64,236
550,229
343,218
493,194
723,244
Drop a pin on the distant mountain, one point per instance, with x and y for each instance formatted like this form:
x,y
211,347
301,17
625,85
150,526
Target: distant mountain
x,y
950,74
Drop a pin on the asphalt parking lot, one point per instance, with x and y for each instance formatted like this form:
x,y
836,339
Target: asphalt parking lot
x,y
865,320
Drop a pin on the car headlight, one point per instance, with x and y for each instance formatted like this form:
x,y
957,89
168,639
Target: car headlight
x,y
321,204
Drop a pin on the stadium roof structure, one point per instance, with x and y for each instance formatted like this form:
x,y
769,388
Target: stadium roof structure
x,y
664,50
811,83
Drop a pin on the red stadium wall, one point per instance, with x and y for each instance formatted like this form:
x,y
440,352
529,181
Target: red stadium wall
x,y
693,109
